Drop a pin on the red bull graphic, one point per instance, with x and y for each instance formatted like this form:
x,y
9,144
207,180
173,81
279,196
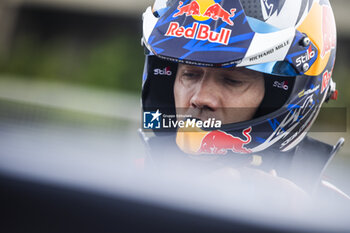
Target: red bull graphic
x,y
189,9
329,31
218,142
215,12
325,80
199,32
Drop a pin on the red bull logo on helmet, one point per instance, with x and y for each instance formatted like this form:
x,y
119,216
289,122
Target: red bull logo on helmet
x,y
189,9
201,12
199,32
219,142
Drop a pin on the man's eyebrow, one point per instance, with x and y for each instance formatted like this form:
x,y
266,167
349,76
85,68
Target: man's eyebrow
x,y
190,67
239,70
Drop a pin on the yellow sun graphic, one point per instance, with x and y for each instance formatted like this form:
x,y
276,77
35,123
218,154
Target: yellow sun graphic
x,y
204,4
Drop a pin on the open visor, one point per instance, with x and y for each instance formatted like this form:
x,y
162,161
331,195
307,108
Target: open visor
x,y
227,34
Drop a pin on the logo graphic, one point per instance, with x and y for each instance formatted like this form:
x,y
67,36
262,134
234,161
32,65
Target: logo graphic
x,y
201,32
325,80
306,57
309,91
191,123
218,142
269,7
299,115
283,85
214,11
151,120
329,31
202,10
189,9
166,71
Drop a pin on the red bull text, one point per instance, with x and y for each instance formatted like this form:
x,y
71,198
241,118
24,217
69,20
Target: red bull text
x,y
199,32
218,142
216,12
202,31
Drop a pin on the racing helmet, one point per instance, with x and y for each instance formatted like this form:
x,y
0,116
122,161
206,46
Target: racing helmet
x,y
291,42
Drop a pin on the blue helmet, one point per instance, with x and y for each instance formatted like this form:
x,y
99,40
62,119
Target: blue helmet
x,y
293,43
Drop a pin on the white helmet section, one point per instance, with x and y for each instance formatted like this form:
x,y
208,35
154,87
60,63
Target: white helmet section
x,y
149,22
269,47
291,14
159,4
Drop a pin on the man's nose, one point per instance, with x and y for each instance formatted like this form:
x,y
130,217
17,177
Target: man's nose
x,y
206,94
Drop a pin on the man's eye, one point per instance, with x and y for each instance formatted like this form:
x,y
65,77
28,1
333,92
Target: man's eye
x,y
190,74
231,81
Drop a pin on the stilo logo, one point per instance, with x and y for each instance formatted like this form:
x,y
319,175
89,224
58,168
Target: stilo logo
x,y
283,85
166,71
202,10
306,57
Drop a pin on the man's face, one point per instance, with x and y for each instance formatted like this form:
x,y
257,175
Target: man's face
x,y
229,95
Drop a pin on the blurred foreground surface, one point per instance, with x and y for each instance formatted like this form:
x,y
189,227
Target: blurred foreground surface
x,y
67,164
